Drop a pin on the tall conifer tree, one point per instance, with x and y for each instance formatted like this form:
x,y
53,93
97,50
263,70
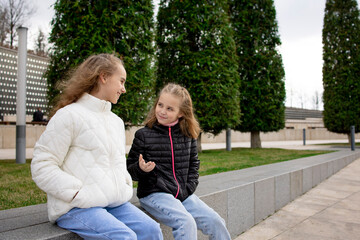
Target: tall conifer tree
x,y
260,67
82,28
341,69
196,49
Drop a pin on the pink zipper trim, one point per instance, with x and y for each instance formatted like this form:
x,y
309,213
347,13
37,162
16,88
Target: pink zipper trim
x,y
173,162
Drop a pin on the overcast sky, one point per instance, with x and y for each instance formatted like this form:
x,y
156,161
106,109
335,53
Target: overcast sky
x,y
300,28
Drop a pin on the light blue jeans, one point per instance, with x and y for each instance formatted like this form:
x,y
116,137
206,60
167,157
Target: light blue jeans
x,y
123,222
186,217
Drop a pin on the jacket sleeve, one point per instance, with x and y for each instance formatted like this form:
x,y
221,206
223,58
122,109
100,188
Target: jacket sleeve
x,y
193,177
132,161
49,154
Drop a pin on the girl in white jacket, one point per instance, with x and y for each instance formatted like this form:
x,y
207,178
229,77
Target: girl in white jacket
x,y
79,160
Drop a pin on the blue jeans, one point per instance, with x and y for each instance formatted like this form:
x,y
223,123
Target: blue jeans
x,y
123,222
186,217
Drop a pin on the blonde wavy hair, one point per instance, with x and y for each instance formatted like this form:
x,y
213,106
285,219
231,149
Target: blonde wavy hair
x,y
188,124
84,78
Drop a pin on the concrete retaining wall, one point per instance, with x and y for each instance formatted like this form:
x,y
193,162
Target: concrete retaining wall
x,y
8,135
33,132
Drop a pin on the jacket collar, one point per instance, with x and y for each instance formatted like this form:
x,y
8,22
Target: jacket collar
x,y
94,104
165,129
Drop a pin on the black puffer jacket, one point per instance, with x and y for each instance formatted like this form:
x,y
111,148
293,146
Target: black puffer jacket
x,y
179,178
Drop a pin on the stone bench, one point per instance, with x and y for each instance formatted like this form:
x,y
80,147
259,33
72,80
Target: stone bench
x,y
243,197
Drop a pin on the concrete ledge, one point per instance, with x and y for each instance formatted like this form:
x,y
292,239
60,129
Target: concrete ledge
x,y
264,198
243,197
33,132
282,190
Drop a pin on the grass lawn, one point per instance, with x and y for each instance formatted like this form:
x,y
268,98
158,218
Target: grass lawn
x,y
215,161
17,188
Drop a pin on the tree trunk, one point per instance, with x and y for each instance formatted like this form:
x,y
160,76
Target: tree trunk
x,y
255,139
199,148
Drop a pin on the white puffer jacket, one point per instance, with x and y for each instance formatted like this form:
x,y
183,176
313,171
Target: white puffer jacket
x,y
82,150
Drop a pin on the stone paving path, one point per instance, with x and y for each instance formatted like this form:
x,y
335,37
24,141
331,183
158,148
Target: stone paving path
x,y
330,211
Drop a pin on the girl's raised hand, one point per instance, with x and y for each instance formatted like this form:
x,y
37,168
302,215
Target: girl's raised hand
x,y
146,166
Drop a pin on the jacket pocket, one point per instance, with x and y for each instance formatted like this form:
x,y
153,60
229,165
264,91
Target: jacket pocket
x,y
165,186
88,197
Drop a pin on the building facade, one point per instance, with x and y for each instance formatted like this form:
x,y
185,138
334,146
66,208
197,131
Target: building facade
x,y
36,85
298,118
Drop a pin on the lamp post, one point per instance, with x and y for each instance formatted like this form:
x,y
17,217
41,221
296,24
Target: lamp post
x,y
21,97
304,136
352,132
228,139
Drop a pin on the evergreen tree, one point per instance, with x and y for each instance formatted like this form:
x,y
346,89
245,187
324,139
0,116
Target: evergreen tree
x,y
82,28
196,49
341,68
260,67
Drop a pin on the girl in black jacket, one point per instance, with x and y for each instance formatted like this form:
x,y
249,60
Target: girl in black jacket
x,y
164,160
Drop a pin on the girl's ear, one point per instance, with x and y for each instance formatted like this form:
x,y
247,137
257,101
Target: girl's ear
x,y
102,78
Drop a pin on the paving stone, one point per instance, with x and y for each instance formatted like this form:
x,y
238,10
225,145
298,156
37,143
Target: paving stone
x,y
296,187
307,179
330,169
316,175
323,171
241,215
319,229
338,214
282,190
264,199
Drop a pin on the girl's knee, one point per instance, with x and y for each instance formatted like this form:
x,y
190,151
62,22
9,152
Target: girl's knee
x,y
217,221
152,230
189,223
155,227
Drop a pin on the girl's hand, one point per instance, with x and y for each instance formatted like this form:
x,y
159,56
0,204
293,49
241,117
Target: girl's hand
x,y
146,166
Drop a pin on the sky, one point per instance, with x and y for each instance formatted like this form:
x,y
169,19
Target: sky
x,y
300,25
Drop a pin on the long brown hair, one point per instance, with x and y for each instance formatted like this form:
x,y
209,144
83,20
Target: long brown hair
x,y
188,123
85,78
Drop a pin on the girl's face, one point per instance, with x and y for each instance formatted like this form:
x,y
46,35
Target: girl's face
x,y
167,109
111,87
